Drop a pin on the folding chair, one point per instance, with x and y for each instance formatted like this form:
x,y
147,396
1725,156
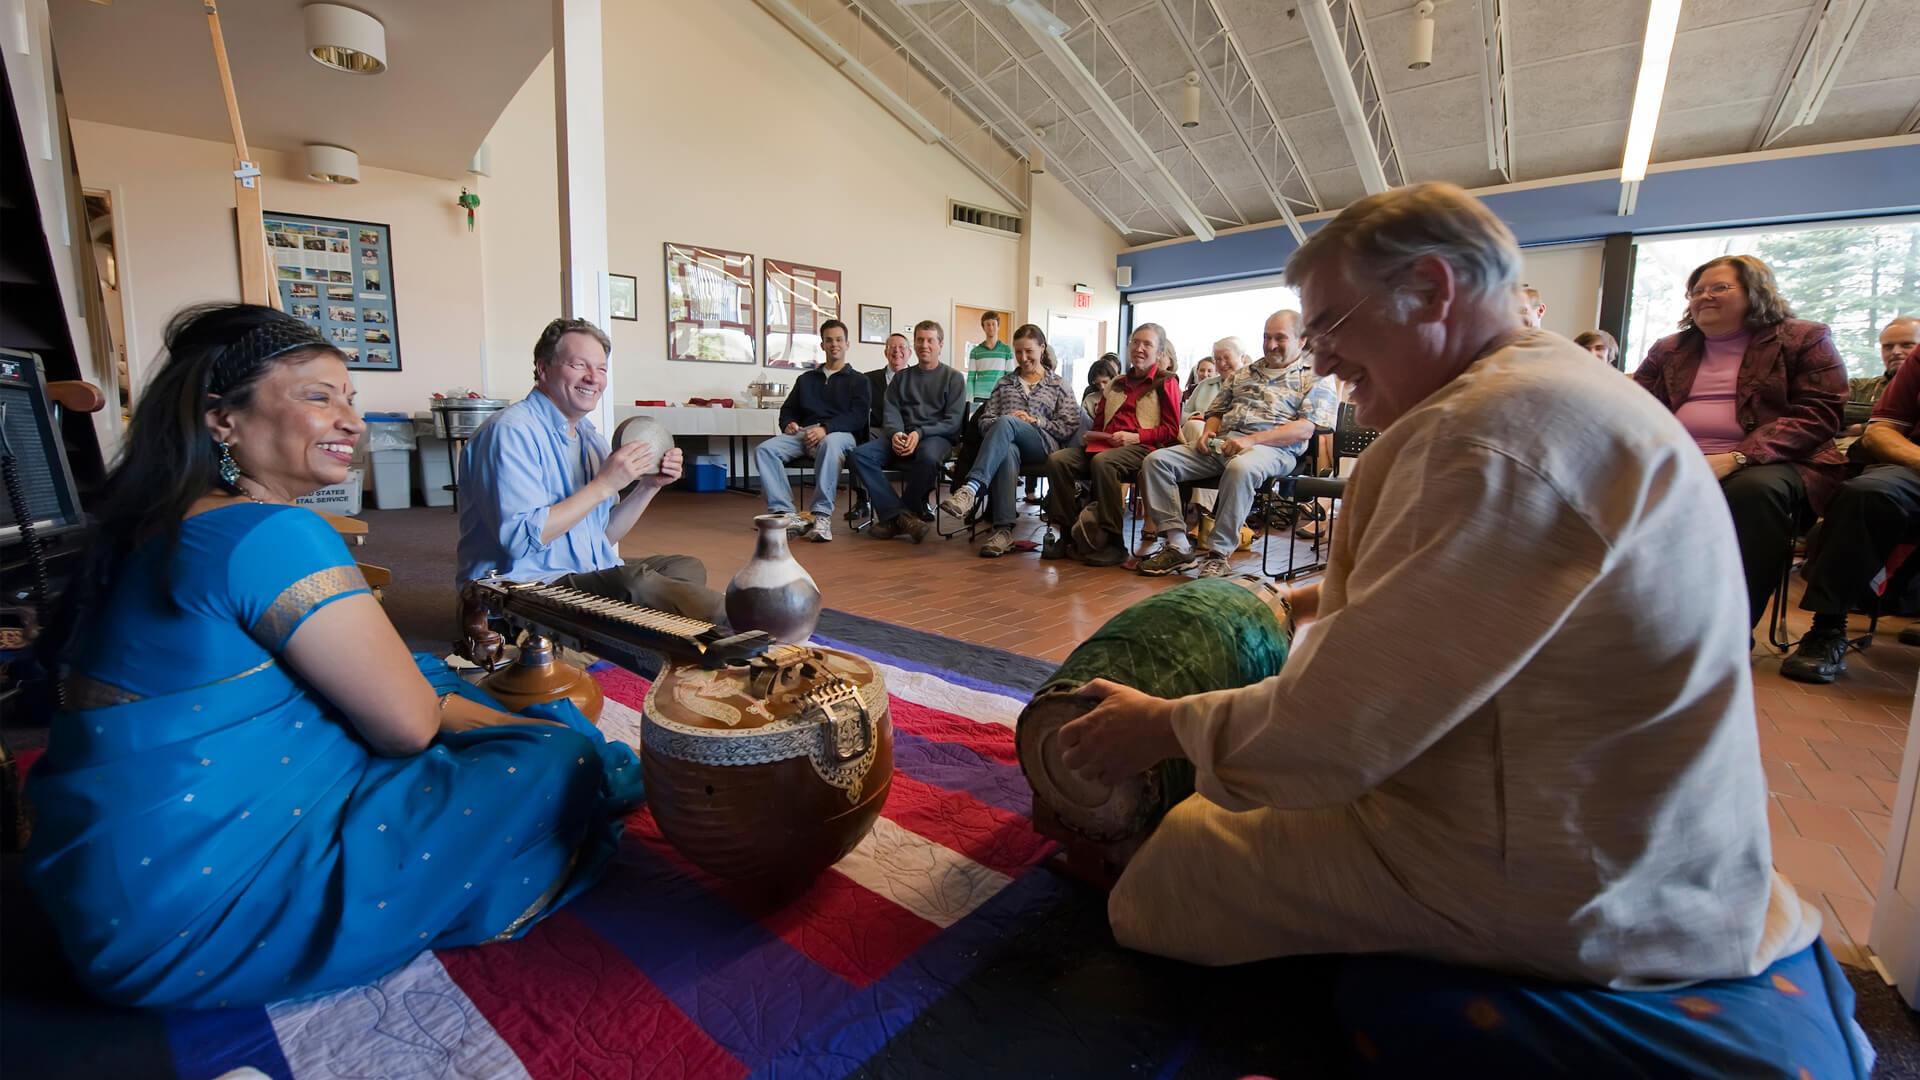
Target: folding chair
x,y
1349,439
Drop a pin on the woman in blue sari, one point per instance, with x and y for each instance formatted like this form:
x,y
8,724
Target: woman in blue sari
x,y
252,792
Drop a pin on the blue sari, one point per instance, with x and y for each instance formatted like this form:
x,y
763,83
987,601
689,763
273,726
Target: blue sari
x,y
212,833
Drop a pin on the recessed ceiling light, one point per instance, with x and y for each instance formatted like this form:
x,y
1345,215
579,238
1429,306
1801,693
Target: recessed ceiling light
x,y
345,39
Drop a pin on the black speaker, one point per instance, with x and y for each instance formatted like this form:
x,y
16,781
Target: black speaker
x,y
28,433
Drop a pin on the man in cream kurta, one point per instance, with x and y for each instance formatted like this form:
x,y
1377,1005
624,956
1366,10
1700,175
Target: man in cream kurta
x,y
1521,733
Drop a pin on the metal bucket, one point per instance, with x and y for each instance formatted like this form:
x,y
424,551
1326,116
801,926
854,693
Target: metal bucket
x,y
459,418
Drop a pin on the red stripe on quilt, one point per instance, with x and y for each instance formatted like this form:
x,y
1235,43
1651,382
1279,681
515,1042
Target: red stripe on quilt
x,y
569,1005
990,741
988,835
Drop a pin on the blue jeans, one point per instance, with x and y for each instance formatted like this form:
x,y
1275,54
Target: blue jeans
x,y
771,459
1006,445
871,459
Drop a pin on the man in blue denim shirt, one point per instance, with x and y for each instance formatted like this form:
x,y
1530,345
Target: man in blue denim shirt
x,y
540,490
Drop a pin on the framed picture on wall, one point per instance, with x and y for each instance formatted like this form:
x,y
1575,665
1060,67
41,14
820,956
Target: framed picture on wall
x,y
876,324
799,299
351,263
623,297
710,305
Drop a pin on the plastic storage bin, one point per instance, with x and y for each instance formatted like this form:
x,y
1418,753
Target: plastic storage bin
x,y
390,459
708,472
338,499
432,468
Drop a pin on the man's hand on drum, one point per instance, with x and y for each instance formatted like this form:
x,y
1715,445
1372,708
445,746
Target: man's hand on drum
x,y
1127,733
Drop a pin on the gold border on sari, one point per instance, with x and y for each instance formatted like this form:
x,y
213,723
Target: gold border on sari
x,y
297,600
540,905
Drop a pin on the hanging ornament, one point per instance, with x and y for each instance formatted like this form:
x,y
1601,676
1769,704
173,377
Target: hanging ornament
x,y
469,202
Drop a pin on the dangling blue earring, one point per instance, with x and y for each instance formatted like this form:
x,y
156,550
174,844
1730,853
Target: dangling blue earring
x,y
229,468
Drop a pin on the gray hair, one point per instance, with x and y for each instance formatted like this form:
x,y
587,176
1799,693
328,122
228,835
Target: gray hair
x,y
1239,347
1379,237
1159,332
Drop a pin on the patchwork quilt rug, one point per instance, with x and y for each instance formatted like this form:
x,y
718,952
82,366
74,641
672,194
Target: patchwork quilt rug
x,y
940,946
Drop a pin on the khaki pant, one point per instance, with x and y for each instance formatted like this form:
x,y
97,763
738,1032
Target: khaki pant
x,y
1108,471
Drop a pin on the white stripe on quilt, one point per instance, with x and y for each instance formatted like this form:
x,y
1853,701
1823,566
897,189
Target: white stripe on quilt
x,y
414,1022
934,692
620,722
934,882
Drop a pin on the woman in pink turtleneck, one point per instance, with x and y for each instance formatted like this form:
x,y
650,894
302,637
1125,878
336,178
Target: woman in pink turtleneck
x,y
1762,393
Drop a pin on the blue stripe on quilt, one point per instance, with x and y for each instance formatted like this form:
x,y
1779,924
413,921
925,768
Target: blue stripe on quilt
x,y
212,1042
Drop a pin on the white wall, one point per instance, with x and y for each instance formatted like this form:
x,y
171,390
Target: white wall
x,y
1568,277
726,129
520,234
1070,244
174,227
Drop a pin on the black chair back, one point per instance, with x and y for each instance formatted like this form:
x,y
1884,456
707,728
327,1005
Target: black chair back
x,y
1349,438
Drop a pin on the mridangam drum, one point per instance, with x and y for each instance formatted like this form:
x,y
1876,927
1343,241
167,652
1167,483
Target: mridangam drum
x,y
771,771
1211,634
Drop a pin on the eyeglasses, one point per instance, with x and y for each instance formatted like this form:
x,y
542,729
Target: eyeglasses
x,y
1716,290
1312,340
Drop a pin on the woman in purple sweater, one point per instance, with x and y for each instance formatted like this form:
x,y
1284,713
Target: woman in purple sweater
x,y
1030,414
1762,393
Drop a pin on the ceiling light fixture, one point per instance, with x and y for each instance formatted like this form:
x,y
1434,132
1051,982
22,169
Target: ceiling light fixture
x,y
345,39
1037,153
1663,22
1190,101
1420,42
332,164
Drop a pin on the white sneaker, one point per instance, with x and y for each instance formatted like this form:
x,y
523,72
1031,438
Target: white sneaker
x,y
820,530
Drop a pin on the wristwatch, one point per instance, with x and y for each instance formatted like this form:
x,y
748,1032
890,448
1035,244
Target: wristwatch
x,y
1739,460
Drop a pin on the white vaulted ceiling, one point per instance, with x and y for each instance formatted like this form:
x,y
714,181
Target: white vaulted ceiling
x,y
1270,141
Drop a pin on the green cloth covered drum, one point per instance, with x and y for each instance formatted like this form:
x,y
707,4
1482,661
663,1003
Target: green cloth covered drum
x,y
1211,634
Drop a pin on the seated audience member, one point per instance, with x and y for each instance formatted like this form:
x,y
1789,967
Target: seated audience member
x,y
245,756
1870,516
1229,356
1255,431
1137,414
1601,344
1099,374
1897,344
1520,735
1030,415
1533,310
925,407
899,355
1202,371
825,416
540,490
1760,392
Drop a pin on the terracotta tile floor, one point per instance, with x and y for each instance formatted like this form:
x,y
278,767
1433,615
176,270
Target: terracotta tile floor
x,y
1831,753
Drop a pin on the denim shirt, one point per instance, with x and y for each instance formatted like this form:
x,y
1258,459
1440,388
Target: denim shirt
x,y
516,467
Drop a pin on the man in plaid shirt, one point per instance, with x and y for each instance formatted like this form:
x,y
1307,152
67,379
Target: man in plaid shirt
x,y
1255,431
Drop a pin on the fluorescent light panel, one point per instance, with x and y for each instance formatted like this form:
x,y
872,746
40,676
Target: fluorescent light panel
x,y
1663,21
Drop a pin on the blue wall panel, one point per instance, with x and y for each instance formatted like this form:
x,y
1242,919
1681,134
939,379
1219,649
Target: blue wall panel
x,y
1854,183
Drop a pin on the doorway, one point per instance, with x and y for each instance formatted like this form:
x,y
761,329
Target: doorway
x,y
113,325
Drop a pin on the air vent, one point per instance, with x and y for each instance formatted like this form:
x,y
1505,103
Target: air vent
x,y
985,220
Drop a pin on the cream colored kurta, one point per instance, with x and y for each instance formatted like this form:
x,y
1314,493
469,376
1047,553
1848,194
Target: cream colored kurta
x,y
1521,734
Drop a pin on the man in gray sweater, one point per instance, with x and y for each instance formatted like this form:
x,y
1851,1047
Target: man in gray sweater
x,y
925,406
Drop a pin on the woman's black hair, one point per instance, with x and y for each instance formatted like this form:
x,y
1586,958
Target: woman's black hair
x,y
216,355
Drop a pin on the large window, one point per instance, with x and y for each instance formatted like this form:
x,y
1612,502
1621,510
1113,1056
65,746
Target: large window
x,y
1193,323
1854,278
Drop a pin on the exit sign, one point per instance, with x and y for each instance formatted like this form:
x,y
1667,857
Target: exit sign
x,y
1082,300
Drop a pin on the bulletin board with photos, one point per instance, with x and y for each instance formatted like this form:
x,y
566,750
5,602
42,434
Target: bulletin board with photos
x,y
337,275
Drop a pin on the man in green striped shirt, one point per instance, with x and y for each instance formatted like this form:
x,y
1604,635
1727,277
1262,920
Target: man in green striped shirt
x,y
988,361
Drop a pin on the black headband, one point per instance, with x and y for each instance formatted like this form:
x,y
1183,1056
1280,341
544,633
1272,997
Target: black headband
x,y
241,359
